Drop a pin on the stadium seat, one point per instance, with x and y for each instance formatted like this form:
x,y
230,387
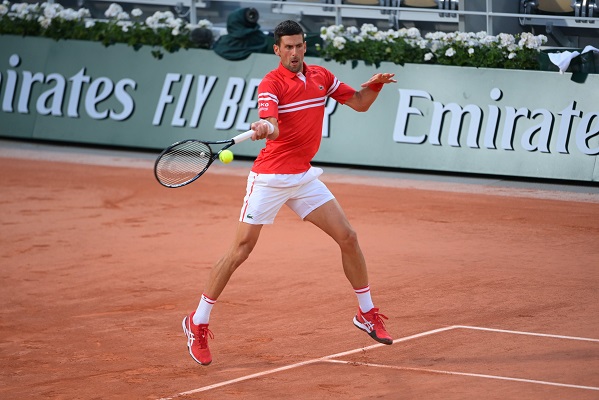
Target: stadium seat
x,y
420,3
363,2
563,7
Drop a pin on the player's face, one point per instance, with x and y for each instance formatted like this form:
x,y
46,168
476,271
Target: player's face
x,y
292,50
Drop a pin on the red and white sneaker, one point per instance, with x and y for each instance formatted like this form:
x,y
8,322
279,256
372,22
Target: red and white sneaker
x,y
197,340
372,323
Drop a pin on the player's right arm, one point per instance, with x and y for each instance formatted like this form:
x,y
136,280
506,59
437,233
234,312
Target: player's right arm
x,y
268,111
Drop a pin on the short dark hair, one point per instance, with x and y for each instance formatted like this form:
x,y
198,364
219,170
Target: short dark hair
x,y
287,28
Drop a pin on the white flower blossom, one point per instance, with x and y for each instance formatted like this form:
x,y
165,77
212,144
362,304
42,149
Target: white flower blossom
x,y
450,52
428,56
136,12
44,22
413,33
339,42
204,23
113,11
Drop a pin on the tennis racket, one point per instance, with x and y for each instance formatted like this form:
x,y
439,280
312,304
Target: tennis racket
x,y
183,162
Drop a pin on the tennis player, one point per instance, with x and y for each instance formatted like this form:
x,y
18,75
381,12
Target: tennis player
x,y
291,102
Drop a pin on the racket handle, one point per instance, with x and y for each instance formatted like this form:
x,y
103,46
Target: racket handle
x,y
243,136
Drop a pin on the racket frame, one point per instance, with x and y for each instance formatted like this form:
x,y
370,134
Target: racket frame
x,y
213,156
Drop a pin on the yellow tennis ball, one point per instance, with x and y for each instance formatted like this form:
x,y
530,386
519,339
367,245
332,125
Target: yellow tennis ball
x,y
226,156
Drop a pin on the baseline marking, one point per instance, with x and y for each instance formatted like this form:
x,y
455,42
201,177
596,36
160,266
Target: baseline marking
x,y
300,364
478,328
436,371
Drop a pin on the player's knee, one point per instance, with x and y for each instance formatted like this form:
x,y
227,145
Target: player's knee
x,y
349,241
242,252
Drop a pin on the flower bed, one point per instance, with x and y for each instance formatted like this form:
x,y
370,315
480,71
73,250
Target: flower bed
x,y
51,20
342,44
401,46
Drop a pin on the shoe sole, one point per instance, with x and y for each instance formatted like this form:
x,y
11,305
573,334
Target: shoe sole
x,y
187,333
371,334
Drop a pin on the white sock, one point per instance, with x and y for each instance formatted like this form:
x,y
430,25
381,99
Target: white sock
x,y
364,299
202,315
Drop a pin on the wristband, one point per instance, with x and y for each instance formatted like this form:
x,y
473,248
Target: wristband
x,y
271,127
377,87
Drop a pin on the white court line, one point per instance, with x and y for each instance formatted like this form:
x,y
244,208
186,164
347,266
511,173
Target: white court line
x,y
478,328
300,364
436,371
404,339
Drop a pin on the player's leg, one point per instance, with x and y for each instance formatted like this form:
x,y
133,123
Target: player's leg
x,y
245,240
331,219
195,325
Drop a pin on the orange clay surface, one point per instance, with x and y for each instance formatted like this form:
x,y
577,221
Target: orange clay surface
x,y
99,264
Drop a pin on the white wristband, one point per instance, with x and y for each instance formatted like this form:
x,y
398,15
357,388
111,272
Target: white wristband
x,y
271,127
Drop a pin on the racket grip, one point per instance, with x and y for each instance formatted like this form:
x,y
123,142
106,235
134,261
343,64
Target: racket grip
x,y
243,136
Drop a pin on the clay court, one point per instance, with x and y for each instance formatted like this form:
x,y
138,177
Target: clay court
x,y
491,287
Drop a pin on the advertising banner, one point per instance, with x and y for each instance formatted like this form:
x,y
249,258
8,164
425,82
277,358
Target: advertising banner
x,y
436,118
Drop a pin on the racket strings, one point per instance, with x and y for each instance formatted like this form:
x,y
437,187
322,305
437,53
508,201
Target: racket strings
x,y
183,163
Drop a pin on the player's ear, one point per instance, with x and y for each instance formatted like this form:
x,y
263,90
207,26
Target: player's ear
x,y
275,48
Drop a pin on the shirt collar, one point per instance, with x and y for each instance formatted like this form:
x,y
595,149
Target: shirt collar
x,y
288,74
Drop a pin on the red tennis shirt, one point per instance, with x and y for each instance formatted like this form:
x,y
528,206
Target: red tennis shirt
x,y
297,101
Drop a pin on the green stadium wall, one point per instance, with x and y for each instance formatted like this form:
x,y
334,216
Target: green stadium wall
x,y
532,124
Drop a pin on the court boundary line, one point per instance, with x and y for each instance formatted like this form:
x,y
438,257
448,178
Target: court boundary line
x,y
331,359
469,374
302,363
479,328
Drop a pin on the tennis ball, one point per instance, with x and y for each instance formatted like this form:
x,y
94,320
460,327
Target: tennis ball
x,y
226,156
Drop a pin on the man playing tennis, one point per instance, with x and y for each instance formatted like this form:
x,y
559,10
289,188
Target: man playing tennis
x,y
291,101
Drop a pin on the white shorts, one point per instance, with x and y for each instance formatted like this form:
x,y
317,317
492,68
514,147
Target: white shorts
x,y
266,194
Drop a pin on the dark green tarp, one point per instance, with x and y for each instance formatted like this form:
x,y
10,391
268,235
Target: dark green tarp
x,y
243,37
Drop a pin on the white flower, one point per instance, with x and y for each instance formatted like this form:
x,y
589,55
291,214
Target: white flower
x,y
122,16
413,33
511,56
470,51
428,56
113,11
352,30
204,23
90,23
3,9
339,42
44,22
83,13
368,28
68,15
506,40
136,12
450,52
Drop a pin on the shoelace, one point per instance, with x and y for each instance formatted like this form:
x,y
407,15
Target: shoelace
x,y
202,340
379,318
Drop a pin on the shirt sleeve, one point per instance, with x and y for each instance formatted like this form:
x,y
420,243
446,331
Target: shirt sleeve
x,y
268,101
338,90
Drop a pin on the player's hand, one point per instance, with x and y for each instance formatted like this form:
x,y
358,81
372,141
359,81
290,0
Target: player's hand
x,y
379,78
262,129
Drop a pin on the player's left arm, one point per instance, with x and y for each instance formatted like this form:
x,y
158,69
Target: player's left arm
x,y
363,99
